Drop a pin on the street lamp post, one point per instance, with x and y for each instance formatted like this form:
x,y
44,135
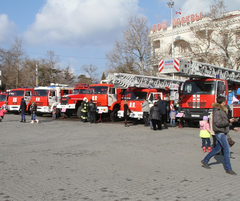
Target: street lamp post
x,y
170,5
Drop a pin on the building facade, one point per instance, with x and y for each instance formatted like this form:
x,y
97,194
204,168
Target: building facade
x,y
198,38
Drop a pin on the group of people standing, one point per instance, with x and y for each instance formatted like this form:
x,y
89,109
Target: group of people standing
x,y
156,115
33,109
88,111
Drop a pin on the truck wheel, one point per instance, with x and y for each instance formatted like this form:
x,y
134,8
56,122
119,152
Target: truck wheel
x,y
113,115
79,112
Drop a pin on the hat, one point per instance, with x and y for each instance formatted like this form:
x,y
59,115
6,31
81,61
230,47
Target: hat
x,y
205,118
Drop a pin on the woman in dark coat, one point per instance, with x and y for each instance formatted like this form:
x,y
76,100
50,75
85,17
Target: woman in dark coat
x,y
23,110
126,113
155,114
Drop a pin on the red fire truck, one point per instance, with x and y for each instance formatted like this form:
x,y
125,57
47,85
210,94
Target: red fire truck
x,y
107,98
141,87
71,102
15,97
206,84
3,98
48,97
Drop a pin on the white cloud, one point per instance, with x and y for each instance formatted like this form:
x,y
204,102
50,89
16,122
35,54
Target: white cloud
x,y
193,6
8,28
80,22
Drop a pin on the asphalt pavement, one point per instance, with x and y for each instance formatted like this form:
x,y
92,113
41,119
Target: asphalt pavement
x,y
76,161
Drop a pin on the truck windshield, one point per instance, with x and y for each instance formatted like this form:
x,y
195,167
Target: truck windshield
x,y
79,91
16,93
199,87
40,92
3,97
135,95
97,90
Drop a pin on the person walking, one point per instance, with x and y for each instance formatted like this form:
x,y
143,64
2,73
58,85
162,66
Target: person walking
x,y
155,113
92,111
220,127
126,113
205,134
33,110
163,107
146,110
23,110
172,116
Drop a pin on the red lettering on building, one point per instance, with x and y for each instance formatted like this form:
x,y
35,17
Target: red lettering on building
x,y
164,25
178,21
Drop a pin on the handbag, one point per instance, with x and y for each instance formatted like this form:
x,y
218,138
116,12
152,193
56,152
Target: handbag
x,y
230,141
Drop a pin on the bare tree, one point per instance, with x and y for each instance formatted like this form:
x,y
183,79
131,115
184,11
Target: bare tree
x,y
11,64
91,72
215,41
132,53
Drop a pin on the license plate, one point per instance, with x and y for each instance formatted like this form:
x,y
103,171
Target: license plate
x,y
195,115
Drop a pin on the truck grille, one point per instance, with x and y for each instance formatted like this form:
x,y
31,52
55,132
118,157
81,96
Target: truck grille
x,y
64,100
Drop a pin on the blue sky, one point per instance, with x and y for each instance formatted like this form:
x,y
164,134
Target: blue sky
x,y
82,31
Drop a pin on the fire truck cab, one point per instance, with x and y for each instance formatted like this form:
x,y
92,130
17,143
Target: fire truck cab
x,y
136,97
15,96
107,99
71,102
3,98
48,97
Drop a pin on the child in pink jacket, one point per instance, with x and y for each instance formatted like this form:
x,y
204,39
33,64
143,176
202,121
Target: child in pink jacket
x,y
205,134
2,112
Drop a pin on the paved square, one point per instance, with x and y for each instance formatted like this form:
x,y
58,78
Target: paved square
x,y
71,160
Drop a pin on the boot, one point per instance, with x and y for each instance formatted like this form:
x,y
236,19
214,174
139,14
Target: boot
x,y
24,121
204,149
37,120
209,149
21,120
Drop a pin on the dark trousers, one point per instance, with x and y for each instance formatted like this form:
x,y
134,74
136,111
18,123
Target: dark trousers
x,y
145,118
164,120
92,117
157,123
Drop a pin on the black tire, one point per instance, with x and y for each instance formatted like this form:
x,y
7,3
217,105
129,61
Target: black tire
x,y
113,115
79,112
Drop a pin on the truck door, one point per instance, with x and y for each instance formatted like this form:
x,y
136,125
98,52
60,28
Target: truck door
x,y
221,89
112,96
153,97
52,97
27,96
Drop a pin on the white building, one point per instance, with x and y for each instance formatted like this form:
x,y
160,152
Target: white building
x,y
186,33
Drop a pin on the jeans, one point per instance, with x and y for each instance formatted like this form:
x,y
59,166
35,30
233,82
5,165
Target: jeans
x,y
33,117
23,116
172,122
206,140
221,143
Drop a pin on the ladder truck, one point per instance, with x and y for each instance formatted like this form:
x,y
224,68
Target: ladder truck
x,y
139,87
206,82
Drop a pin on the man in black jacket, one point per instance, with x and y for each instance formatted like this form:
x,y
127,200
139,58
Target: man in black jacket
x,y
163,106
23,110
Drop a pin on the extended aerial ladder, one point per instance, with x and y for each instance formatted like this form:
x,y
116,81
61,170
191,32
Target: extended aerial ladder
x,y
124,80
195,69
